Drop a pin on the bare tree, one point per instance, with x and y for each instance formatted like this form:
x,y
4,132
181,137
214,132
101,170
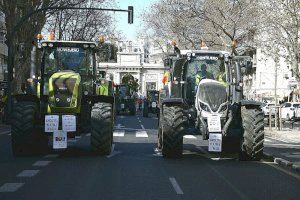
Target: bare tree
x,y
217,22
280,31
82,24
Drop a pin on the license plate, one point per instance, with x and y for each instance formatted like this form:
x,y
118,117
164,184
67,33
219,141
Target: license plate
x,y
69,123
214,123
51,123
153,104
60,139
122,106
215,142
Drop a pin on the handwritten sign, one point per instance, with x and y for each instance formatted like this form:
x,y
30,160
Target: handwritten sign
x,y
60,139
215,142
214,123
69,123
51,123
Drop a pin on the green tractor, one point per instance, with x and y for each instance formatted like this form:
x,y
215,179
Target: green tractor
x,y
68,97
125,100
204,96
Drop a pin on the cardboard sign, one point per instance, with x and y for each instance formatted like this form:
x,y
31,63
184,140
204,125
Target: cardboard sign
x,y
214,123
60,139
69,123
153,104
215,142
51,123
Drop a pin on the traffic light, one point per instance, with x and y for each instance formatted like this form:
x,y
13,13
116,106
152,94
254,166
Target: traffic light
x,y
130,14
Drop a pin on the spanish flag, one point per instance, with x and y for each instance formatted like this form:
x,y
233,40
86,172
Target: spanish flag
x,y
166,77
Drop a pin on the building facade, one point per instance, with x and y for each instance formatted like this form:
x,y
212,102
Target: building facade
x,y
3,49
141,60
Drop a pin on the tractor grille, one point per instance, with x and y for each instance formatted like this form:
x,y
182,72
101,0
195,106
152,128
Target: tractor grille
x,y
212,93
63,89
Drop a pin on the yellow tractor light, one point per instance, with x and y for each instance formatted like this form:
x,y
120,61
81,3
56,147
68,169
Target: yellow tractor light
x,y
173,43
101,39
234,44
39,36
51,36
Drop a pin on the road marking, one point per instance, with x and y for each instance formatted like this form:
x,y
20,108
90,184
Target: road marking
x,y
88,135
119,133
28,173
41,163
5,132
113,152
175,185
142,134
142,126
11,187
189,137
51,156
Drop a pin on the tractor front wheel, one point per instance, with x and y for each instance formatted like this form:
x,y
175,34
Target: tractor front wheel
x,y
173,126
252,143
25,137
102,128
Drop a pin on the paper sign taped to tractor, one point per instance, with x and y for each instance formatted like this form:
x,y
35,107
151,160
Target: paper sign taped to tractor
x,y
215,142
60,139
122,106
69,123
214,123
51,123
153,104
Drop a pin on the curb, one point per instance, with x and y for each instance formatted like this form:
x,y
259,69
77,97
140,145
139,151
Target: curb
x,y
282,162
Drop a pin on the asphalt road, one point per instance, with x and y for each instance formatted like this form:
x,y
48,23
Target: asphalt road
x,y
136,171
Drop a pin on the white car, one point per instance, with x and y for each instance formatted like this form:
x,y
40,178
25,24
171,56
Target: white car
x,y
268,108
290,110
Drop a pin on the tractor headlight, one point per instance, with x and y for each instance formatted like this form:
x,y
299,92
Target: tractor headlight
x,y
92,46
85,46
85,92
57,99
50,45
204,107
68,100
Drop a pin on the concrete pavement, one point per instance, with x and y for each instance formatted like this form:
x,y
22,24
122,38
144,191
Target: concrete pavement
x,y
284,147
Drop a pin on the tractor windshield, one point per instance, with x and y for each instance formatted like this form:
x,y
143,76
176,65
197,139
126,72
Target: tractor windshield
x,y
203,67
68,58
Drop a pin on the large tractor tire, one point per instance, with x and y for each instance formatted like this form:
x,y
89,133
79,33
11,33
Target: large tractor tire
x,y
173,126
26,138
252,143
102,128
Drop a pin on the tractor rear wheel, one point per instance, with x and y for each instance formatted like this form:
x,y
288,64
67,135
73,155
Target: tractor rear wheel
x,y
252,143
173,125
102,128
25,137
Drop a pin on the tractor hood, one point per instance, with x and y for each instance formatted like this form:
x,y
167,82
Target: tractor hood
x,y
212,93
64,92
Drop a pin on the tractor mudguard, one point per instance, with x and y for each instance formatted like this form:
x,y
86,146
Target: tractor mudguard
x,y
101,98
173,101
250,103
26,97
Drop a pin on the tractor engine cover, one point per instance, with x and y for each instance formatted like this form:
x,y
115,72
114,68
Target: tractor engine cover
x,y
212,93
64,92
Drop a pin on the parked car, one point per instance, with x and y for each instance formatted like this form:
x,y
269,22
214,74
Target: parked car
x,y
268,109
290,110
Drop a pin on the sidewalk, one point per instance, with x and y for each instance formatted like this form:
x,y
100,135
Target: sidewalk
x,y
284,147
